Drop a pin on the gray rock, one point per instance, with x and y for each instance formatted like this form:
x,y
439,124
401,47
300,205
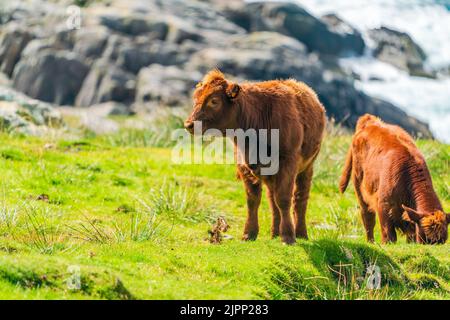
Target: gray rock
x,y
134,56
351,38
137,25
90,42
106,82
252,57
20,113
181,31
13,40
50,76
201,16
292,20
400,50
167,86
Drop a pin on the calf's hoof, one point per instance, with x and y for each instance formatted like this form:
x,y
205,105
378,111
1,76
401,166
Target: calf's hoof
x,y
249,236
288,239
301,235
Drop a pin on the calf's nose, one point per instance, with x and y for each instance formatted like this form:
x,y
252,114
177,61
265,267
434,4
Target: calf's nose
x,y
189,124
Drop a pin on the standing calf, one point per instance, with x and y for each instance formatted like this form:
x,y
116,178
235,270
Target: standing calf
x,y
391,179
289,106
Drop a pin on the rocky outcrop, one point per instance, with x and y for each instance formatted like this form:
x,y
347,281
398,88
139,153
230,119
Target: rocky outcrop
x,y
400,50
294,21
260,56
350,37
13,40
19,113
159,85
106,82
51,76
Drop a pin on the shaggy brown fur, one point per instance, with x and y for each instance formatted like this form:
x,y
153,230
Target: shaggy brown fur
x,y
391,178
289,106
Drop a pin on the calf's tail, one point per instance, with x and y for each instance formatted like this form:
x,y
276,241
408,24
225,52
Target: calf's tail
x,y
346,174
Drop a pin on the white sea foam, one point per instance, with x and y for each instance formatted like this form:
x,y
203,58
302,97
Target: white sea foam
x,y
426,99
427,22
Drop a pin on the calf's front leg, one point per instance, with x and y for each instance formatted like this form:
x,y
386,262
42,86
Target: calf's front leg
x,y
388,233
253,193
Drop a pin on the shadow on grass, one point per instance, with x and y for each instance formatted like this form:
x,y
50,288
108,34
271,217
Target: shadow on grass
x,y
345,270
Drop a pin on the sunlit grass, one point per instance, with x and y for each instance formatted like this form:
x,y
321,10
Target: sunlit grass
x,y
137,224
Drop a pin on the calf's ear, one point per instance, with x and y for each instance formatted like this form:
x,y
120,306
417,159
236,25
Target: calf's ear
x,y
448,218
413,215
232,90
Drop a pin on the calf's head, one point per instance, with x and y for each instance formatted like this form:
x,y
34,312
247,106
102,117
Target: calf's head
x,y
431,227
214,99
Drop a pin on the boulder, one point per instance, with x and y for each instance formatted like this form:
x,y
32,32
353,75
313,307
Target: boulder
x,y
22,114
351,38
137,25
90,42
400,50
133,56
181,31
252,57
106,82
52,76
12,41
167,86
200,16
294,21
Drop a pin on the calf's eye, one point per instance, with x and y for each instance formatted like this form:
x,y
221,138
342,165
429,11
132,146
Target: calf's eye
x,y
214,103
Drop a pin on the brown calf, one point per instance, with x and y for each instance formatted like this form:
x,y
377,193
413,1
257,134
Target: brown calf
x,y
289,106
391,178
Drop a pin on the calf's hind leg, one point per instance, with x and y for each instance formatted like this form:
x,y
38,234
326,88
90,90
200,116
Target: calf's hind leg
x,y
275,214
368,216
301,196
282,188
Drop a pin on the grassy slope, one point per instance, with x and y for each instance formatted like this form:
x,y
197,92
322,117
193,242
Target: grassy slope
x,y
97,191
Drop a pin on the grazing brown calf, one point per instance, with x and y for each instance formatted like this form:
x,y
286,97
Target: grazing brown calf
x,y
289,106
391,179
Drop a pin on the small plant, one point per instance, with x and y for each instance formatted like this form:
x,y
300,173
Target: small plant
x,y
91,230
43,234
346,220
143,226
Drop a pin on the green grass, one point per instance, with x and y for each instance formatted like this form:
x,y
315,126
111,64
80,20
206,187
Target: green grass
x,y
135,226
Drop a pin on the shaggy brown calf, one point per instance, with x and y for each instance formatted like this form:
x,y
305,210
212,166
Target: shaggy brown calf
x,y
391,179
289,106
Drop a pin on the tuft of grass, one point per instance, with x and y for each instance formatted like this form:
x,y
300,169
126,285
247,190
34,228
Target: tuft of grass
x,y
42,233
91,230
